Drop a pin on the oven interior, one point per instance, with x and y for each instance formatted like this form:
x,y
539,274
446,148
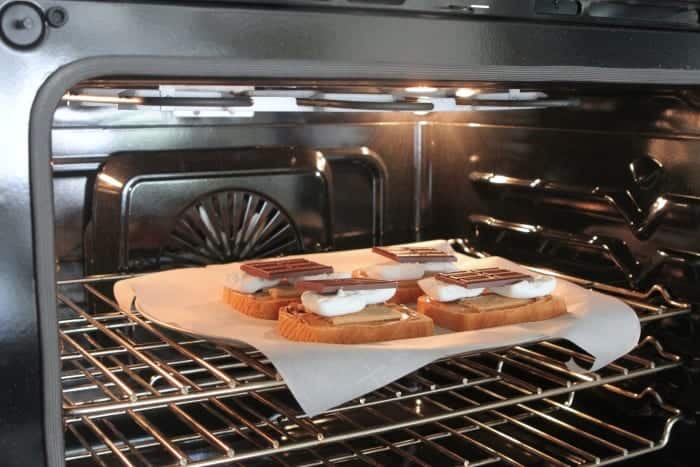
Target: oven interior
x,y
593,183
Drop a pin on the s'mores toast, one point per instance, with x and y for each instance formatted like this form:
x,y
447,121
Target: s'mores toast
x,y
488,297
407,265
260,288
350,311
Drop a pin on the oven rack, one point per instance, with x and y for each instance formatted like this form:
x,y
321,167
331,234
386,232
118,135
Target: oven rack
x,y
115,360
548,430
653,304
120,369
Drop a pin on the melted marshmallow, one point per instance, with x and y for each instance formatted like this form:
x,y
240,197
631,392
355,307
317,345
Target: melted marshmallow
x,y
441,266
395,271
539,286
242,282
344,302
444,292
328,275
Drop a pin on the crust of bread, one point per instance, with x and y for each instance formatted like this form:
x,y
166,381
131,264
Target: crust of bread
x,y
255,305
461,316
296,324
406,292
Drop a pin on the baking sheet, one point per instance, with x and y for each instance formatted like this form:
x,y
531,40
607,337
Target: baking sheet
x,y
322,376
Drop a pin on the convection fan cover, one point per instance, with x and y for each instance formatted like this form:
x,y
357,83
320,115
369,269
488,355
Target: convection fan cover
x,y
227,226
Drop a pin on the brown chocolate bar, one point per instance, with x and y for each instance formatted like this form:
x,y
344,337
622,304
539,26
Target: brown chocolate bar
x,y
284,268
484,277
328,286
414,254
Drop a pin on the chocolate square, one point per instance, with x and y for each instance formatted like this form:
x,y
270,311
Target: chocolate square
x,y
413,254
284,268
483,277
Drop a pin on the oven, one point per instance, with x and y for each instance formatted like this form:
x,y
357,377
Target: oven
x,y
143,136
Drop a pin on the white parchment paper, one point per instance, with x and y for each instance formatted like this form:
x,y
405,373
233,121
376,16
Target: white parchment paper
x,y
322,376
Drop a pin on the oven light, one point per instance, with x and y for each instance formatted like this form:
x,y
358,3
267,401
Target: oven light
x,y
421,112
420,89
465,92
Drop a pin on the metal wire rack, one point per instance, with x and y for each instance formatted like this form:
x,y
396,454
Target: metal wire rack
x,y
136,394
653,304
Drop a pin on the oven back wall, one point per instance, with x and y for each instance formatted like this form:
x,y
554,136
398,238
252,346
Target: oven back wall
x,y
604,191
78,151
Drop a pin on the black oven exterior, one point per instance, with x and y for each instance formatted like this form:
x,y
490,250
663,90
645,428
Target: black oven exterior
x,y
219,40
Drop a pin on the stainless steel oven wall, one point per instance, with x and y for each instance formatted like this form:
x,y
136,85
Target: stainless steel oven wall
x,y
82,142
607,191
120,38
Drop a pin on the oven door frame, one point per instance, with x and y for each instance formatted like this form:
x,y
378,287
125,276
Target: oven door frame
x,y
223,41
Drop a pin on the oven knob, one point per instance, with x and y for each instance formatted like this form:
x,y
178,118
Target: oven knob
x,y
21,24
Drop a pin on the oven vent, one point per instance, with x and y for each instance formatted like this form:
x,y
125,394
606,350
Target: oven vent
x,y
227,226
159,209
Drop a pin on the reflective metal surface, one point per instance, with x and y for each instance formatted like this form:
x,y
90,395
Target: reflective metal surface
x,y
134,38
607,205
142,202
129,385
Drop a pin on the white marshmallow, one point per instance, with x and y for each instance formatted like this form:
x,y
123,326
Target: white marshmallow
x,y
395,271
444,292
327,275
332,305
442,266
539,286
344,302
375,295
242,282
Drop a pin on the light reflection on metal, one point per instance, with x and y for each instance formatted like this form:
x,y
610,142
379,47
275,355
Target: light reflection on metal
x,y
465,92
109,180
421,89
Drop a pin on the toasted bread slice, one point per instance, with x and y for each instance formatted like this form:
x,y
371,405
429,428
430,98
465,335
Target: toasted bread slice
x,y
406,292
375,323
263,305
489,310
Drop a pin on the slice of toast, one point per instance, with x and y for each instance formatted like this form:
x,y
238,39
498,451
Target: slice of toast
x,y
489,310
406,292
263,305
376,323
